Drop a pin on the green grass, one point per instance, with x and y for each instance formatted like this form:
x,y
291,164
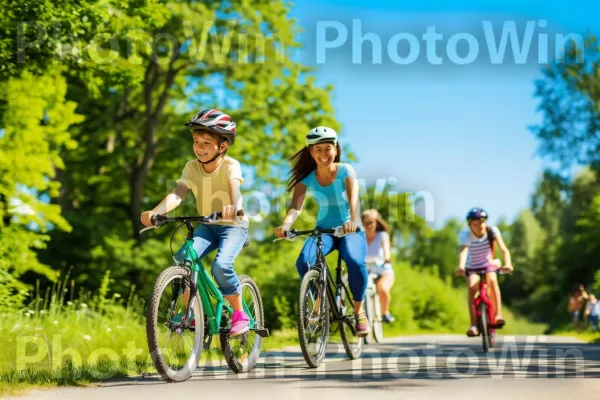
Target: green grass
x,y
55,342
587,336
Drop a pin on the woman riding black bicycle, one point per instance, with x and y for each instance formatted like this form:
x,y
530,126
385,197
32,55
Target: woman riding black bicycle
x,y
318,171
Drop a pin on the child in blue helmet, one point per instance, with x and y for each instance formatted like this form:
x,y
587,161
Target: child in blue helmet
x,y
477,253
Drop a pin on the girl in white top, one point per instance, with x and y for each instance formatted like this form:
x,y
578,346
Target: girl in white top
x,y
378,258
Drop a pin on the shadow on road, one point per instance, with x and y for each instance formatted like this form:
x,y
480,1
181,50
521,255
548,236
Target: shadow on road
x,y
409,363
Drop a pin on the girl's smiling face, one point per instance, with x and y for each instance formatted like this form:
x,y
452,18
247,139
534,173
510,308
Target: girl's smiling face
x,y
323,154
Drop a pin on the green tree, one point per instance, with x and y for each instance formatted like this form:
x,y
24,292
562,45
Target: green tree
x,y
439,248
32,135
133,145
569,95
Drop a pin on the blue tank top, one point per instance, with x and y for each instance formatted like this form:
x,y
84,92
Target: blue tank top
x,y
334,208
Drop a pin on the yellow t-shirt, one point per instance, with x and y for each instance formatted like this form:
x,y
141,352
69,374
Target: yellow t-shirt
x,y
212,190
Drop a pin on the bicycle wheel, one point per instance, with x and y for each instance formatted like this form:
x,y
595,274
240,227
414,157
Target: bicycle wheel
x,y
168,323
370,311
242,352
377,320
353,344
484,327
313,319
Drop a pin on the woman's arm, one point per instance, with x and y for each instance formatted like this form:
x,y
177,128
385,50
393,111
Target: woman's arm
x,y
294,210
387,254
352,188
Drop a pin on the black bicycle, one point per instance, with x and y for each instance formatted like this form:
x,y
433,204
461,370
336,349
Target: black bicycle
x,y
315,316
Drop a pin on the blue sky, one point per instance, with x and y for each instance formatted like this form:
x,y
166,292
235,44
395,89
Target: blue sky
x,y
459,132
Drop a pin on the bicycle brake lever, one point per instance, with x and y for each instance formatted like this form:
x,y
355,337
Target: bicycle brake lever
x,y
339,231
148,228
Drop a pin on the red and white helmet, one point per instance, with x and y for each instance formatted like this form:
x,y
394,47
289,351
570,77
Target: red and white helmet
x,y
216,121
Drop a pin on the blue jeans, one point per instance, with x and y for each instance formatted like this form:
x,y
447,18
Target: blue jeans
x,y
594,322
353,250
229,241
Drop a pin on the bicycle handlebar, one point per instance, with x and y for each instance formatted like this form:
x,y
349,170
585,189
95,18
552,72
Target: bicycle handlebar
x,y
292,234
500,271
160,220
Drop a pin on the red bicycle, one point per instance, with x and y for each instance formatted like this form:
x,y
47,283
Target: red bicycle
x,y
485,310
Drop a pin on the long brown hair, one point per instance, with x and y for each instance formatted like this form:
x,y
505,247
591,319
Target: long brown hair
x,y
381,224
303,164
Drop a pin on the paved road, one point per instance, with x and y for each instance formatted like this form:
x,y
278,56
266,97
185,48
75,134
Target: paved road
x,y
416,367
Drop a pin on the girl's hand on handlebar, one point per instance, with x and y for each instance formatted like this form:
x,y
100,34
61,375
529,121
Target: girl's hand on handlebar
x,y
508,268
146,218
279,232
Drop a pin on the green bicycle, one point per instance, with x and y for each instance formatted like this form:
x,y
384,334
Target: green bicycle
x,y
186,309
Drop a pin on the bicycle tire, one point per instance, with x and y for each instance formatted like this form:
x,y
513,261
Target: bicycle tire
x,y
484,327
152,331
352,351
315,360
370,311
378,320
247,363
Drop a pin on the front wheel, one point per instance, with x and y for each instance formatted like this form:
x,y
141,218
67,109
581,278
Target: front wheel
x,y
313,318
370,311
373,310
484,327
377,320
175,331
242,353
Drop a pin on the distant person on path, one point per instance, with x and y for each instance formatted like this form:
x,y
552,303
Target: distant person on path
x,y
577,300
592,312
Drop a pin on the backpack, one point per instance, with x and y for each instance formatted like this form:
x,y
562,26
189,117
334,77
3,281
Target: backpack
x,y
491,237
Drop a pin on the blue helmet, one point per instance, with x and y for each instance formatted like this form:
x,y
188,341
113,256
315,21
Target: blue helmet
x,y
477,213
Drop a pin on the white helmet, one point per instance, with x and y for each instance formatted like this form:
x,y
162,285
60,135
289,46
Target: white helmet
x,y
321,134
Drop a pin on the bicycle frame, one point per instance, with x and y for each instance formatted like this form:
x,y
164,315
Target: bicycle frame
x,y
207,289
328,280
484,298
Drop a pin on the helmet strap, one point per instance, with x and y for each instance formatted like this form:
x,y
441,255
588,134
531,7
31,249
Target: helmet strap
x,y
212,159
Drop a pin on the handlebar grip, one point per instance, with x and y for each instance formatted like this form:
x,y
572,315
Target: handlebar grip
x,y
158,219
240,213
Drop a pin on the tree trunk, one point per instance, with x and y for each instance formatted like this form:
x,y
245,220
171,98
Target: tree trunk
x,y
144,162
6,215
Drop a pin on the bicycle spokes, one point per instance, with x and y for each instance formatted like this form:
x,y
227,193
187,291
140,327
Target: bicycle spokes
x,y
314,317
242,352
176,323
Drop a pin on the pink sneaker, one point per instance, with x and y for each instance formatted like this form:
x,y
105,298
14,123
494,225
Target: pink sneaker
x,y
239,323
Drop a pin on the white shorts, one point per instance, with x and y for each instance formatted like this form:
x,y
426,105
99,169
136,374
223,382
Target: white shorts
x,y
379,270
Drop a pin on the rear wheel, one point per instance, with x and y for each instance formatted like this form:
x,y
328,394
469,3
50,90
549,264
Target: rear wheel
x,y
242,352
353,344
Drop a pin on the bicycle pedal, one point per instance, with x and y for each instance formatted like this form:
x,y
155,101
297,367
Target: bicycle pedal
x,y
263,332
240,337
207,342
